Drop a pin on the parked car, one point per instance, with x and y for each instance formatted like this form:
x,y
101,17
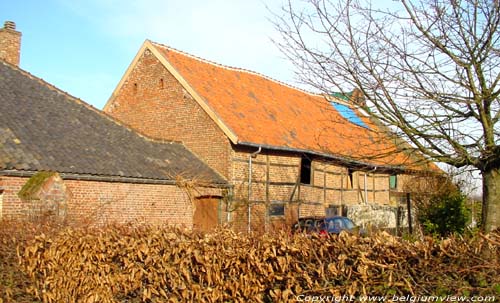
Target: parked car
x,y
308,224
335,225
322,225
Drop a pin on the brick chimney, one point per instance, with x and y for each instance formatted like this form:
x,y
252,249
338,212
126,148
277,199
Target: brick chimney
x,y
358,98
10,43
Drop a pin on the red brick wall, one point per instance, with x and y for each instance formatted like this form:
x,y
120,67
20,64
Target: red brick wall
x,y
11,204
153,102
106,202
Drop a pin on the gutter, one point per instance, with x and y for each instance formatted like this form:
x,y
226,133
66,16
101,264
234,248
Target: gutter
x,y
252,155
328,156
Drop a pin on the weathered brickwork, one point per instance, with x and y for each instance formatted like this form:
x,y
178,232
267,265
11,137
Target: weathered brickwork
x,y
153,102
109,202
11,204
10,43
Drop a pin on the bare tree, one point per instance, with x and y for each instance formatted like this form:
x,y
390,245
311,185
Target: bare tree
x,y
429,70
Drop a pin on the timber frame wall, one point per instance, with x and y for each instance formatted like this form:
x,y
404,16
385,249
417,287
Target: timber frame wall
x,y
275,181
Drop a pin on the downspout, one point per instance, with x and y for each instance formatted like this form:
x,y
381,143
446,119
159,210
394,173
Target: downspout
x,y
366,181
228,205
252,155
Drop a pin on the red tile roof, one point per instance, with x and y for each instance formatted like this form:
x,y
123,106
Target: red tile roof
x,y
263,111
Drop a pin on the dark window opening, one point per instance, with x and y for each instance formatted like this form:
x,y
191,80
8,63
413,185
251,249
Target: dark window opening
x,y
305,170
161,83
135,88
276,210
350,179
393,181
333,210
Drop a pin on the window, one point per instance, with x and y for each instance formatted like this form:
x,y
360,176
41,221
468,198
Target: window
x,y
350,179
393,181
349,114
305,170
161,83
276,210
333,210
135,88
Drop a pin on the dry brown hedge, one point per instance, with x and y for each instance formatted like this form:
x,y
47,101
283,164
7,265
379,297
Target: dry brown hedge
x,y
16,235
146,264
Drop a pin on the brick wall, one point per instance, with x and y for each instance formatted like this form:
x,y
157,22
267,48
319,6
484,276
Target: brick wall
x,y
153,102
106,202
10,43
11,204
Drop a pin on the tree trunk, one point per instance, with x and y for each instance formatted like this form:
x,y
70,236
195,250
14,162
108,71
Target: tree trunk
x,y
491,199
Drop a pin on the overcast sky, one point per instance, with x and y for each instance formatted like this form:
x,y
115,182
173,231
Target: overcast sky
x,y
84,47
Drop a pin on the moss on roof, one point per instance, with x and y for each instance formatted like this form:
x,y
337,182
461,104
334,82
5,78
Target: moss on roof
x,y
33,185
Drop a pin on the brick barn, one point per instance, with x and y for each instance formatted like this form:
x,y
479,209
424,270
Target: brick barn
x,y
61,158
287,153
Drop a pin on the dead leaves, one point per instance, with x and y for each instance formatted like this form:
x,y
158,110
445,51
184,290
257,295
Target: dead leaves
x,y
149,264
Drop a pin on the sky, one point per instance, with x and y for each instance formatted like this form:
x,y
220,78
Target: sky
x,y
84,47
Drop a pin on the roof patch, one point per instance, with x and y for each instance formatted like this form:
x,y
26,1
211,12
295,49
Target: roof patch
x,y
349,114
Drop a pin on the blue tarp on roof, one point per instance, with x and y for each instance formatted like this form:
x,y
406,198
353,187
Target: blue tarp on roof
x,y
347,112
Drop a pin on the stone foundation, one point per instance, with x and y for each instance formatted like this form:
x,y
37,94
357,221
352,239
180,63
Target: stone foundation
x,y
379,216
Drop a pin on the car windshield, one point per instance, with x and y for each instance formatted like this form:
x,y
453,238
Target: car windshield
x,y
348,224
335,225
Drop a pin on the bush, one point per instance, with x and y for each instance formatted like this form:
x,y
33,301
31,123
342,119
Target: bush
x,y
445,214
15,235
147,264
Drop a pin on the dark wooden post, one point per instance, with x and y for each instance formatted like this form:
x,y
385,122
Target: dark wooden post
x,y
398,220
408,206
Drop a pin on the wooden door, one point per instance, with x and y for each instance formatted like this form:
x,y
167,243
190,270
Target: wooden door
x,y
206,214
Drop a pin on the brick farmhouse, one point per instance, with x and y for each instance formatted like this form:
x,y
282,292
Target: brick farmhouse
x,y
286,152
61,158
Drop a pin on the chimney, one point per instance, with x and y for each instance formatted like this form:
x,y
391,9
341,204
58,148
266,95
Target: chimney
x,y
10,43
358,98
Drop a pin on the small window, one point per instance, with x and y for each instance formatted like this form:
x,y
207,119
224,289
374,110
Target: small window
x,y
161,83
135,88
333,210
305,170
276,210
350,179
393,181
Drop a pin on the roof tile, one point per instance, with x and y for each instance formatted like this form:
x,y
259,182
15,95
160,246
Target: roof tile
x,y
43,128
264,111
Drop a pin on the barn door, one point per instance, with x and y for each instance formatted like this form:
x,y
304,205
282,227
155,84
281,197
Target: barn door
x,y
206,213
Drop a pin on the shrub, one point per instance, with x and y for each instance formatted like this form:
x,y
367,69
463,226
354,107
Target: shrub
x,y
445,214
51,263
15,235
147,264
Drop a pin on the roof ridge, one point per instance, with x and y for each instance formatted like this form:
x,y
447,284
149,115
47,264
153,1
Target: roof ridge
x,y
238,69
88,105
